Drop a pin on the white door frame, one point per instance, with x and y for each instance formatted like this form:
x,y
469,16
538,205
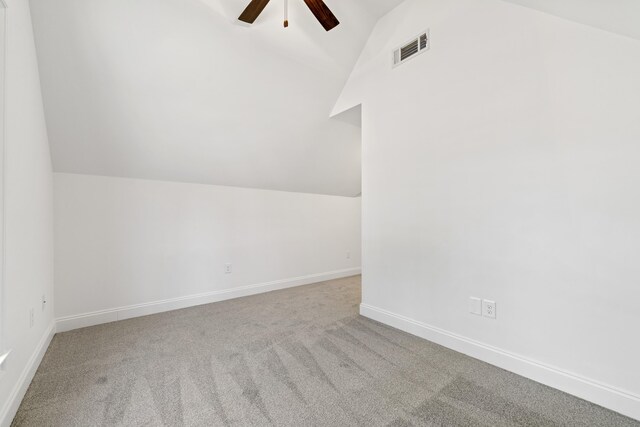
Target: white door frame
x,y
4,352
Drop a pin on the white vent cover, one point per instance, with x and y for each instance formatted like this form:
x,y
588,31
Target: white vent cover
x,y
412,49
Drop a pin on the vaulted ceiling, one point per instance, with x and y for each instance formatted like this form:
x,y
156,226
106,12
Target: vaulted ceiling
x,y
179,90
616,16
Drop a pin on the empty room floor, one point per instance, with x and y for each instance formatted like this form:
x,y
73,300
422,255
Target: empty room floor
x,y
297,357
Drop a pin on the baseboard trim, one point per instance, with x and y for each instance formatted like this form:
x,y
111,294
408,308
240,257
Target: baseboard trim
x,y
68,323
610,397
17,394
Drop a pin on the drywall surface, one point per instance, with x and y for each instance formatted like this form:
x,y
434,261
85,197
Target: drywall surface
x,y
180,90
125,243
503,164
28,212
618,16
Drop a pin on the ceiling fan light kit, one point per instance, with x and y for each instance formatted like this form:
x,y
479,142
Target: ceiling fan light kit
x,y
319,9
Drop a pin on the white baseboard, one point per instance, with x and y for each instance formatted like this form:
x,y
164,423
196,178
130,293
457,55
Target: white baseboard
x,y
69,323
13,402
610,397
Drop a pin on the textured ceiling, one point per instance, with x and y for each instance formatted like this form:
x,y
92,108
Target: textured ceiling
x,y
179,90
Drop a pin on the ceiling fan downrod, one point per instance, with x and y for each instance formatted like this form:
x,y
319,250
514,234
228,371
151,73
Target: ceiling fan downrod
x,y
286,13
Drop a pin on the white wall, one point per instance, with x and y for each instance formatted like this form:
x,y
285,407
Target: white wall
x,y
503,164
28,214
128,247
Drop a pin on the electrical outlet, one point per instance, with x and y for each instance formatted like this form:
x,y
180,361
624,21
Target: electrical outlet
x,y
228,269
44,302
475,306
31,317
489,309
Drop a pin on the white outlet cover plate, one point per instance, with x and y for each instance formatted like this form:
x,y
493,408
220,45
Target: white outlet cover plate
x,y
475,306
489,309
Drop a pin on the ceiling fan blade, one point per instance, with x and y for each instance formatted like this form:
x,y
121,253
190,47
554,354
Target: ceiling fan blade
x,y
252,11
323,14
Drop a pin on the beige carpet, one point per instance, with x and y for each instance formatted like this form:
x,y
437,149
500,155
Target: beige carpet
x,y
299,357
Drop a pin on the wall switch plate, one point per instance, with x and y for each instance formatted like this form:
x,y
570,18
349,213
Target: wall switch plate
x,y
475,306
348,255
489,309
228,269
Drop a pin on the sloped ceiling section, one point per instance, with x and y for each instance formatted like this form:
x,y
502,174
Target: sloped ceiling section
x,y
615,16
179,90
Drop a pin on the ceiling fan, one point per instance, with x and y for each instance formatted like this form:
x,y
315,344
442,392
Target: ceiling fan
x,y
318,8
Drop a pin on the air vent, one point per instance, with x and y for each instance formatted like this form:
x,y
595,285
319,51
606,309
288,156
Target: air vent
x,y
424,42
411,49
